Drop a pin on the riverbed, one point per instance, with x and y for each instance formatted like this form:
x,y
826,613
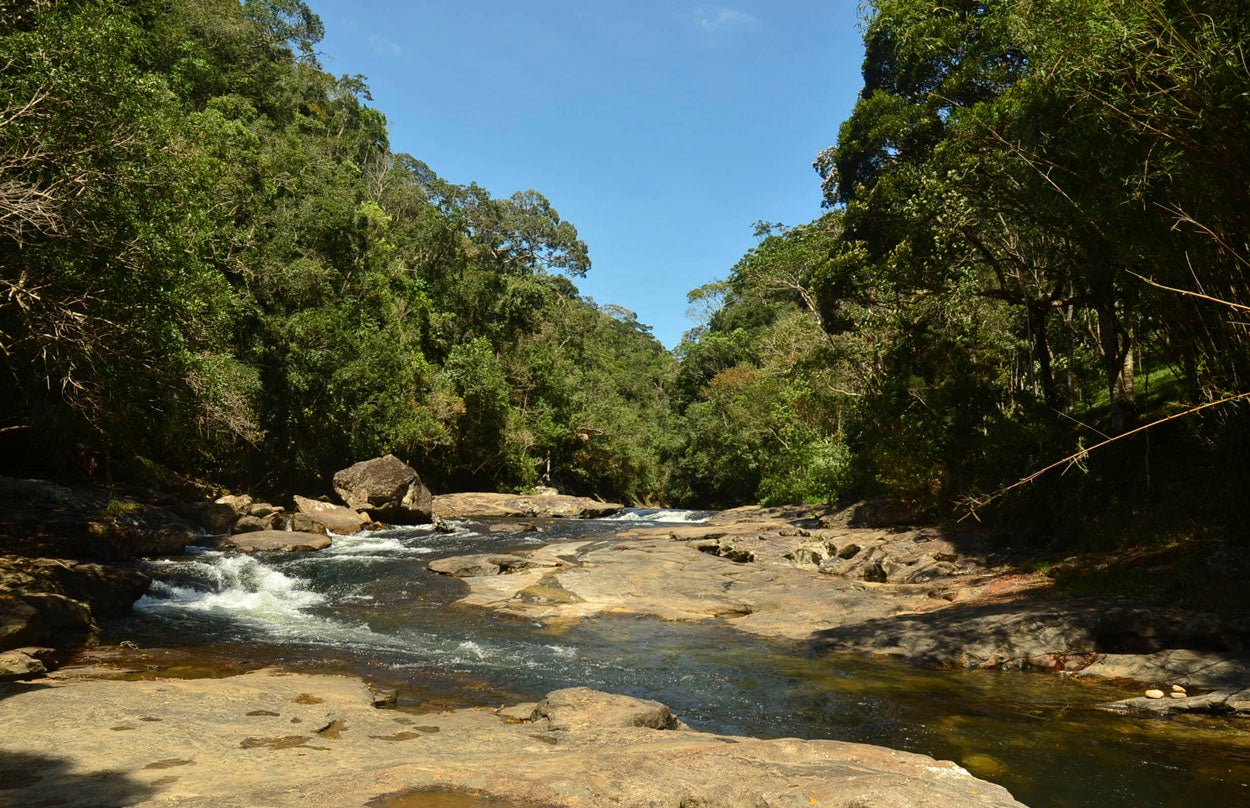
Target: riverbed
x,y
368,605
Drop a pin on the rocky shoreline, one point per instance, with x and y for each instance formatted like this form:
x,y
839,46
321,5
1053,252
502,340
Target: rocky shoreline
x,y
276,739
67,553
837,583
912,594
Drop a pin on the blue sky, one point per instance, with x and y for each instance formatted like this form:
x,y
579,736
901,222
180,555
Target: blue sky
x,y
661,130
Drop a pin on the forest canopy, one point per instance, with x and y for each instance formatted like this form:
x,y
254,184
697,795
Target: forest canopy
x,y
1036,241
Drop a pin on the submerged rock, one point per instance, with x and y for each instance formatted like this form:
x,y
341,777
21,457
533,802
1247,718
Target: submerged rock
x,y
270,739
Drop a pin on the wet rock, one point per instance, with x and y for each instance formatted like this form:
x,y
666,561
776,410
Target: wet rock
x,y
303,523
263,509
332,518
40,519
387,488
215,519
481,505
262,541
849,551
513,527
251,524
1215,703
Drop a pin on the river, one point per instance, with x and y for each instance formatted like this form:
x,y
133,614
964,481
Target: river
x,y
369,605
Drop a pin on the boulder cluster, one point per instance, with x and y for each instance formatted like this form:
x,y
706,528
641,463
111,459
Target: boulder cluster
x,y
381,490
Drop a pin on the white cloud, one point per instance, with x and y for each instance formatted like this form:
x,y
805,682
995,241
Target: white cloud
x,y
721,18
383,46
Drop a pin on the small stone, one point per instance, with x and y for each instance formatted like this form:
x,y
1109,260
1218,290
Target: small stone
x,y
1178,689
1154,694
1174,694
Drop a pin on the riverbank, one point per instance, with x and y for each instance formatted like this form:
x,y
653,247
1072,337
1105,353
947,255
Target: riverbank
x,y
366,605
277,739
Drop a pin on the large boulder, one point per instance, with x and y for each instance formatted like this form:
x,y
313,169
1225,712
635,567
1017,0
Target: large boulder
x,y
50,601
331,517
43,519
387,488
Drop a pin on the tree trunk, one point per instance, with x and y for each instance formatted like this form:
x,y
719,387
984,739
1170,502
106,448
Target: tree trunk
x,y
1117,361
1041,350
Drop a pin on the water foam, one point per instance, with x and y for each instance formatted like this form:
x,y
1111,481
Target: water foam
x,y
229,585
661,516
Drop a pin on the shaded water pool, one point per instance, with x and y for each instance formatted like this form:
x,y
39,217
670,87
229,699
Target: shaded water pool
x,y
369,605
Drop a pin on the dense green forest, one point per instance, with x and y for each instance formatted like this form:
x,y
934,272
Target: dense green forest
x,y
1036,240
212,262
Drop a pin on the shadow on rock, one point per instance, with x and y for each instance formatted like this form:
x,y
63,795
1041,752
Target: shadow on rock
x,y
1013,635
27,779
8,689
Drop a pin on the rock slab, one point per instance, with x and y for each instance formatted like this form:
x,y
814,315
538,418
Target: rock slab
x,y
334,518
484,505
387,488
265,541
274,739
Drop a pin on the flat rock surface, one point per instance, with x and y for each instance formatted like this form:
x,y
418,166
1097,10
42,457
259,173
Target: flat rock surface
x,y
916,595
273,739
260,541
482,505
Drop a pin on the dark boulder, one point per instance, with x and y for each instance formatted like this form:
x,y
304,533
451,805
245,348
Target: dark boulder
x,y
387,488
52,601
43,519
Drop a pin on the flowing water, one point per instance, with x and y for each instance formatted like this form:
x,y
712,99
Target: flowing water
x,y
368,605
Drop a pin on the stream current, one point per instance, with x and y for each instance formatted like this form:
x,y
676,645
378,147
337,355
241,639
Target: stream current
x,y
368,605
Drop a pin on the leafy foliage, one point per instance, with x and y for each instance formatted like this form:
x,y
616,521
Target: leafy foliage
x,y
210,257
